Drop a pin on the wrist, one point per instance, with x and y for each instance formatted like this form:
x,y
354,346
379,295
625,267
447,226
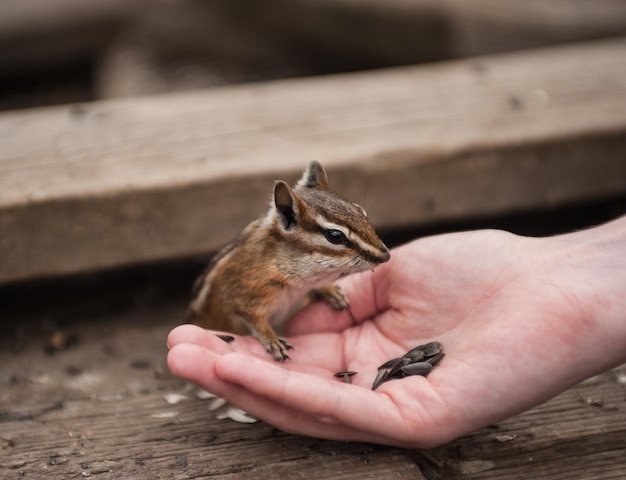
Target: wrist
x,y
590,270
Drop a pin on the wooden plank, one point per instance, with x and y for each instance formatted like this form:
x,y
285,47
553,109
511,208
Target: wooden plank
x,y
333,33
98,409
489,26
399,31
127,181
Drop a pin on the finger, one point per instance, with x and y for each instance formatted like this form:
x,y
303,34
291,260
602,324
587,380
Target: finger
x,y
186,333
319,317
318,351
210,339
324,350
194,363
199,336
298,422
366,293
198,365
356,408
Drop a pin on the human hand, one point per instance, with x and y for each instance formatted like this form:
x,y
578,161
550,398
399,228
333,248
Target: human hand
x,y
515,318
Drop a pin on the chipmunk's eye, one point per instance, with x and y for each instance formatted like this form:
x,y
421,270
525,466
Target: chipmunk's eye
x,y
335,236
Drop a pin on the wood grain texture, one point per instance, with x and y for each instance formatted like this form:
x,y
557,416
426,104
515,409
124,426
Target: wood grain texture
x,y
128,181
98,409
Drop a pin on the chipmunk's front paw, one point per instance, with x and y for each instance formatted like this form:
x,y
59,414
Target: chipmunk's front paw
x,y
277,347
333,295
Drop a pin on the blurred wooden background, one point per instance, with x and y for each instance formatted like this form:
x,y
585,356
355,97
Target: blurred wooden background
x,y
178,159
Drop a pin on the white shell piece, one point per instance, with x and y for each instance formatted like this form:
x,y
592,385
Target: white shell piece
x,y
204,395
170,414
240,416
216,404
174,398
222,415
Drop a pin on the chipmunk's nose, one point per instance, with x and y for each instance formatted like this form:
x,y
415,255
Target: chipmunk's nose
x,y
385,255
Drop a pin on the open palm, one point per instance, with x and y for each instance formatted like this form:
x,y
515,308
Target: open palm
x,y
495,302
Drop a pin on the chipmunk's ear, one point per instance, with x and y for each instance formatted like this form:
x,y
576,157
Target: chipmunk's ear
x,y
287,206
314,177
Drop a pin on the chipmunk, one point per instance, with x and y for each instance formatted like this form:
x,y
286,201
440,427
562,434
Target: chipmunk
x,y
308,239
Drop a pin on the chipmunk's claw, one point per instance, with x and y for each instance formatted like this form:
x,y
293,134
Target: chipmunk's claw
x,y
278,348
333,295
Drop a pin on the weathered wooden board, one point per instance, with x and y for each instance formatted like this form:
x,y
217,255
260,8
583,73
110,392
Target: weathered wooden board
x,y
400,31
363,32
97,408
128,181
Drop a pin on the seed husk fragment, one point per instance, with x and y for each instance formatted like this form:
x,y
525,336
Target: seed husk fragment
x,y
226,338
346,376
432,348
419,368
435,360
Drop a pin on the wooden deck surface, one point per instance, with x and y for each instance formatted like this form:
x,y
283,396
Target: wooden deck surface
x,y
83,389
121,182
